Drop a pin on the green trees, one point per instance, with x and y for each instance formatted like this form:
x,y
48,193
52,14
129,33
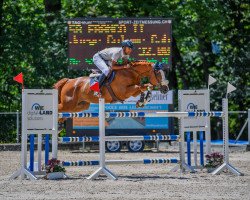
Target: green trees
x,y
33,40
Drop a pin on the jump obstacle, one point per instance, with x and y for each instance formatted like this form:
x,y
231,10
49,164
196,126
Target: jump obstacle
x,y
96,139
102,138
114,138
182,165
118,138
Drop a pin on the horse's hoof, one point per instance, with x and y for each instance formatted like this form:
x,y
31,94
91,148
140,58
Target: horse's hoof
x,y
139,104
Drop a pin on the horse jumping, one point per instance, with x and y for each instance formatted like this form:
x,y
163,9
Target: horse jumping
x,y
75,95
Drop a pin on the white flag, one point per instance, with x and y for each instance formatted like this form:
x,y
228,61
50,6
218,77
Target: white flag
x,y
230,88
211,80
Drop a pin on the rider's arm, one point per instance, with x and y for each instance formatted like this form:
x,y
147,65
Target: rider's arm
x,y
125,60
116,66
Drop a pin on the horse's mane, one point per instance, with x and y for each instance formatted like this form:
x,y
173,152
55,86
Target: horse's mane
x,y
140,62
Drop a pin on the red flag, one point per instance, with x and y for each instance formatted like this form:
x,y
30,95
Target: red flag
x,y
19,78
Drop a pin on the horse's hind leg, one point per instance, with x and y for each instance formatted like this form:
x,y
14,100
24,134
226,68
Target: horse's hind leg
x,y
71,97
68,100
72,105
60,107
67,104
82,106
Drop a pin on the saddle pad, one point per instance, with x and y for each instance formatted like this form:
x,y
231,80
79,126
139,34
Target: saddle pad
x,y
94,81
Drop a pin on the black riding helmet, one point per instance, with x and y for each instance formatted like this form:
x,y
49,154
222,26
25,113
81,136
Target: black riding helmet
x,y
128,43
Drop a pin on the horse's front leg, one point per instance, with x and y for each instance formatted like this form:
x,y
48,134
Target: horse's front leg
x,y
135,90
144,98
146,87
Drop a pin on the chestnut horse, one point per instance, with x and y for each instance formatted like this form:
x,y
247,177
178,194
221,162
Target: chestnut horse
x,y
75,95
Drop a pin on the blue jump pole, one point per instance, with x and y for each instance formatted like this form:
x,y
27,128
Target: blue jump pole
x,y
189,148
47,137
201,149
32,151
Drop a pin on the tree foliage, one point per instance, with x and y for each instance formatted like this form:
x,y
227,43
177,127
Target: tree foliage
x,y
33,40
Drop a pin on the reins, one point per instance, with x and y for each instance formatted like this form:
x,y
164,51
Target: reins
x,y
140,75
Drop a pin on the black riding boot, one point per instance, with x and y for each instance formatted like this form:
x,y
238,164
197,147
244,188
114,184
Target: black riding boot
x,y
101,80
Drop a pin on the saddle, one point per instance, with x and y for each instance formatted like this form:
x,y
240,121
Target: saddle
x,y
94,76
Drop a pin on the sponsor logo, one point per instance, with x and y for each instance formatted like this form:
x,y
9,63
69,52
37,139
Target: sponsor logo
x,y
38,109
191,107
159,96
37,112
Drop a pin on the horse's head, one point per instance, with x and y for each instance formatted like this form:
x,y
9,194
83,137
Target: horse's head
x,y
153,71
158,77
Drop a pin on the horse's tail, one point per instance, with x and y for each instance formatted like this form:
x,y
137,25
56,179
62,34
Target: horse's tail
x,y
59,85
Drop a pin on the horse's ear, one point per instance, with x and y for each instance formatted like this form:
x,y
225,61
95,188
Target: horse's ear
x,y
155,65
158,66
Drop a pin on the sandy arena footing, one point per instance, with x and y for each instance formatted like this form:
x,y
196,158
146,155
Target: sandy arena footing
x,y
134,181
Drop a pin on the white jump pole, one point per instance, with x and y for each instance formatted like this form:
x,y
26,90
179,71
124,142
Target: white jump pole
x,y
39,152
226,164
55,127
211,80
102,168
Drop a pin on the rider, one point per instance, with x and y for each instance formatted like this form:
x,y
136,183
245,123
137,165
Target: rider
x,y
106,60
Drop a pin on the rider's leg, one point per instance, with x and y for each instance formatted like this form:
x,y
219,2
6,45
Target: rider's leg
x,y
100,63
101,80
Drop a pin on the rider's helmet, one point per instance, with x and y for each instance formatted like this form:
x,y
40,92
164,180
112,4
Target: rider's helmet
x,y
128,43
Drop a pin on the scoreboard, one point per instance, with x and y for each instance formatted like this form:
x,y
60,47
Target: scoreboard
x,y
151,36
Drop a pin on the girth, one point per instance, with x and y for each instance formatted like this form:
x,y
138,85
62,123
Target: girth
x,y
112,94
110,90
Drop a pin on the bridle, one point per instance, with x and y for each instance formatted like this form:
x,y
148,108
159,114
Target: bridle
x,y
140,75
156,77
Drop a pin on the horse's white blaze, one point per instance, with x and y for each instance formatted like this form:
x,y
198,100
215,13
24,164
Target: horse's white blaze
x,y
164,81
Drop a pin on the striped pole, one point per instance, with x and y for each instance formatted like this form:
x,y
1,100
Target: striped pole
x,y
120,138
79,139
118,162
142,114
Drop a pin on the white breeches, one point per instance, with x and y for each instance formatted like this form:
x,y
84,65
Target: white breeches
x,y
100,63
